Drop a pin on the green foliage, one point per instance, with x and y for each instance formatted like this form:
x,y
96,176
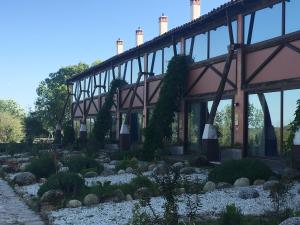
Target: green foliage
x,y
120,155
160,124
294,126
139,217
42,167
68,135
231,216
70,183
12,107
231,170
279,195
103,120
125,163
52,93
11,128
78,163
33,127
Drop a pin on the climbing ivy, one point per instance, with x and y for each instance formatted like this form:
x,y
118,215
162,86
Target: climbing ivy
x,y
159,127
103,120
294,126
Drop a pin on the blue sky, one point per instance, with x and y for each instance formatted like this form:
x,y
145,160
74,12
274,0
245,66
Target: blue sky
x,y
38,37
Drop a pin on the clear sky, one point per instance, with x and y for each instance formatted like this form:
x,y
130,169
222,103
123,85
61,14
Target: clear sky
x,y
38,37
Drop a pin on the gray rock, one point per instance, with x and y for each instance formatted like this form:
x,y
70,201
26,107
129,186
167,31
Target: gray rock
x,y
23,166
151,167
187,163
74,203
129,197
114,162
187,170
24,178
107,172
223,185
259,182
178,165
142,192
242,182
63,169
129,170
291,221
143,166
59,165
55,197
90,174
118,196
209,186
248,193
90,199
160,169
180,191
121,172
270,184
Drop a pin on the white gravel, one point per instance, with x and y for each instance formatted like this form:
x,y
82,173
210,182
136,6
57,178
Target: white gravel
x,y
30,190
212,204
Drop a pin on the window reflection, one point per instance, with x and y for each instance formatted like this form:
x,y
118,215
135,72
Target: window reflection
x,y
168,54
157,69
136,127
292,16
200,48
219,41
187,46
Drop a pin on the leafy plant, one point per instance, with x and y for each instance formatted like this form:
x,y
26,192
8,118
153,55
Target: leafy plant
x,y
69,135
231,216
294,126
78,163
159,128
42,167
125,163
70,183
231,170
103,120
279,194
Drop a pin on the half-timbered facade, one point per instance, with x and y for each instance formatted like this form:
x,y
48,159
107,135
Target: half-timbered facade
x,y
261,90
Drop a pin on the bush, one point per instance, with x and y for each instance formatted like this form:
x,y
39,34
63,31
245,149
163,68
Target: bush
x,y
120,155
231,170
70,183
125,163
231,216
79,163
44,166
69,135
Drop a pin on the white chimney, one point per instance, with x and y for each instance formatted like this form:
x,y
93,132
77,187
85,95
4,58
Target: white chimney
x,y
139,36
163,24
120,46
195,9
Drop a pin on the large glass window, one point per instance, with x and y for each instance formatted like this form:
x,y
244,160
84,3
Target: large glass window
x,y
136,126
135,70
168,54
292,16
187,46
200,48
267,24
157,69
219,41
194,126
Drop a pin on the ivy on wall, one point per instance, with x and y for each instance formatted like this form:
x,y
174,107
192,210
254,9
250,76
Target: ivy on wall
x,y
159,127
103,120
294,126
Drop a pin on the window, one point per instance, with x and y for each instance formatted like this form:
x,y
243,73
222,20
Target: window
x,y
292,16
168,54
136,126
219,41
267,24
157,69
187,46
200,48
135,70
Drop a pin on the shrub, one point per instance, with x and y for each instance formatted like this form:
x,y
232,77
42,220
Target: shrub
x,y
44,166
120,155
78,163
70,183
231,170
279,195
69,135
125,163
231,216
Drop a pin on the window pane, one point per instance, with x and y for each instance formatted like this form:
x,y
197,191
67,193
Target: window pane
x,y
194,126
135,70
200,47
168,54
187,47
219,41
136,127
157,70
290,104
292,16
142,64
128,73
267,24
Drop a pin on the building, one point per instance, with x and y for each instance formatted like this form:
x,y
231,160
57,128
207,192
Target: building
x,y
261,90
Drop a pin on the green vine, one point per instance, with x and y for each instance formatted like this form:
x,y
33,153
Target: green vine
x,y
159,127
103,121
294,126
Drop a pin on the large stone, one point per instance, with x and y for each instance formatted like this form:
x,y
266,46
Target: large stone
x,y
291,221
143,166
259,182
187,170
129,197
223,185
90,199
178,165
129,170
23,166
63,169
209,186
160,170
151,167
74,203
142,192
248,193
90,174
270,184
24,178
114,162
242,182
118,196
55,197
121,172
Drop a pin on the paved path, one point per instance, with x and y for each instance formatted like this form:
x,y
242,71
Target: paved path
x,y
13,211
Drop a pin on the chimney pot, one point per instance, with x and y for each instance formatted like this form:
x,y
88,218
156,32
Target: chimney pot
x,y
195,9
120,46
163,24
139,36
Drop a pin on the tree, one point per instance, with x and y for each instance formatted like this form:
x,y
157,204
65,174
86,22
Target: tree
x,y
11,128
97,62
11,107
33,127
52,94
